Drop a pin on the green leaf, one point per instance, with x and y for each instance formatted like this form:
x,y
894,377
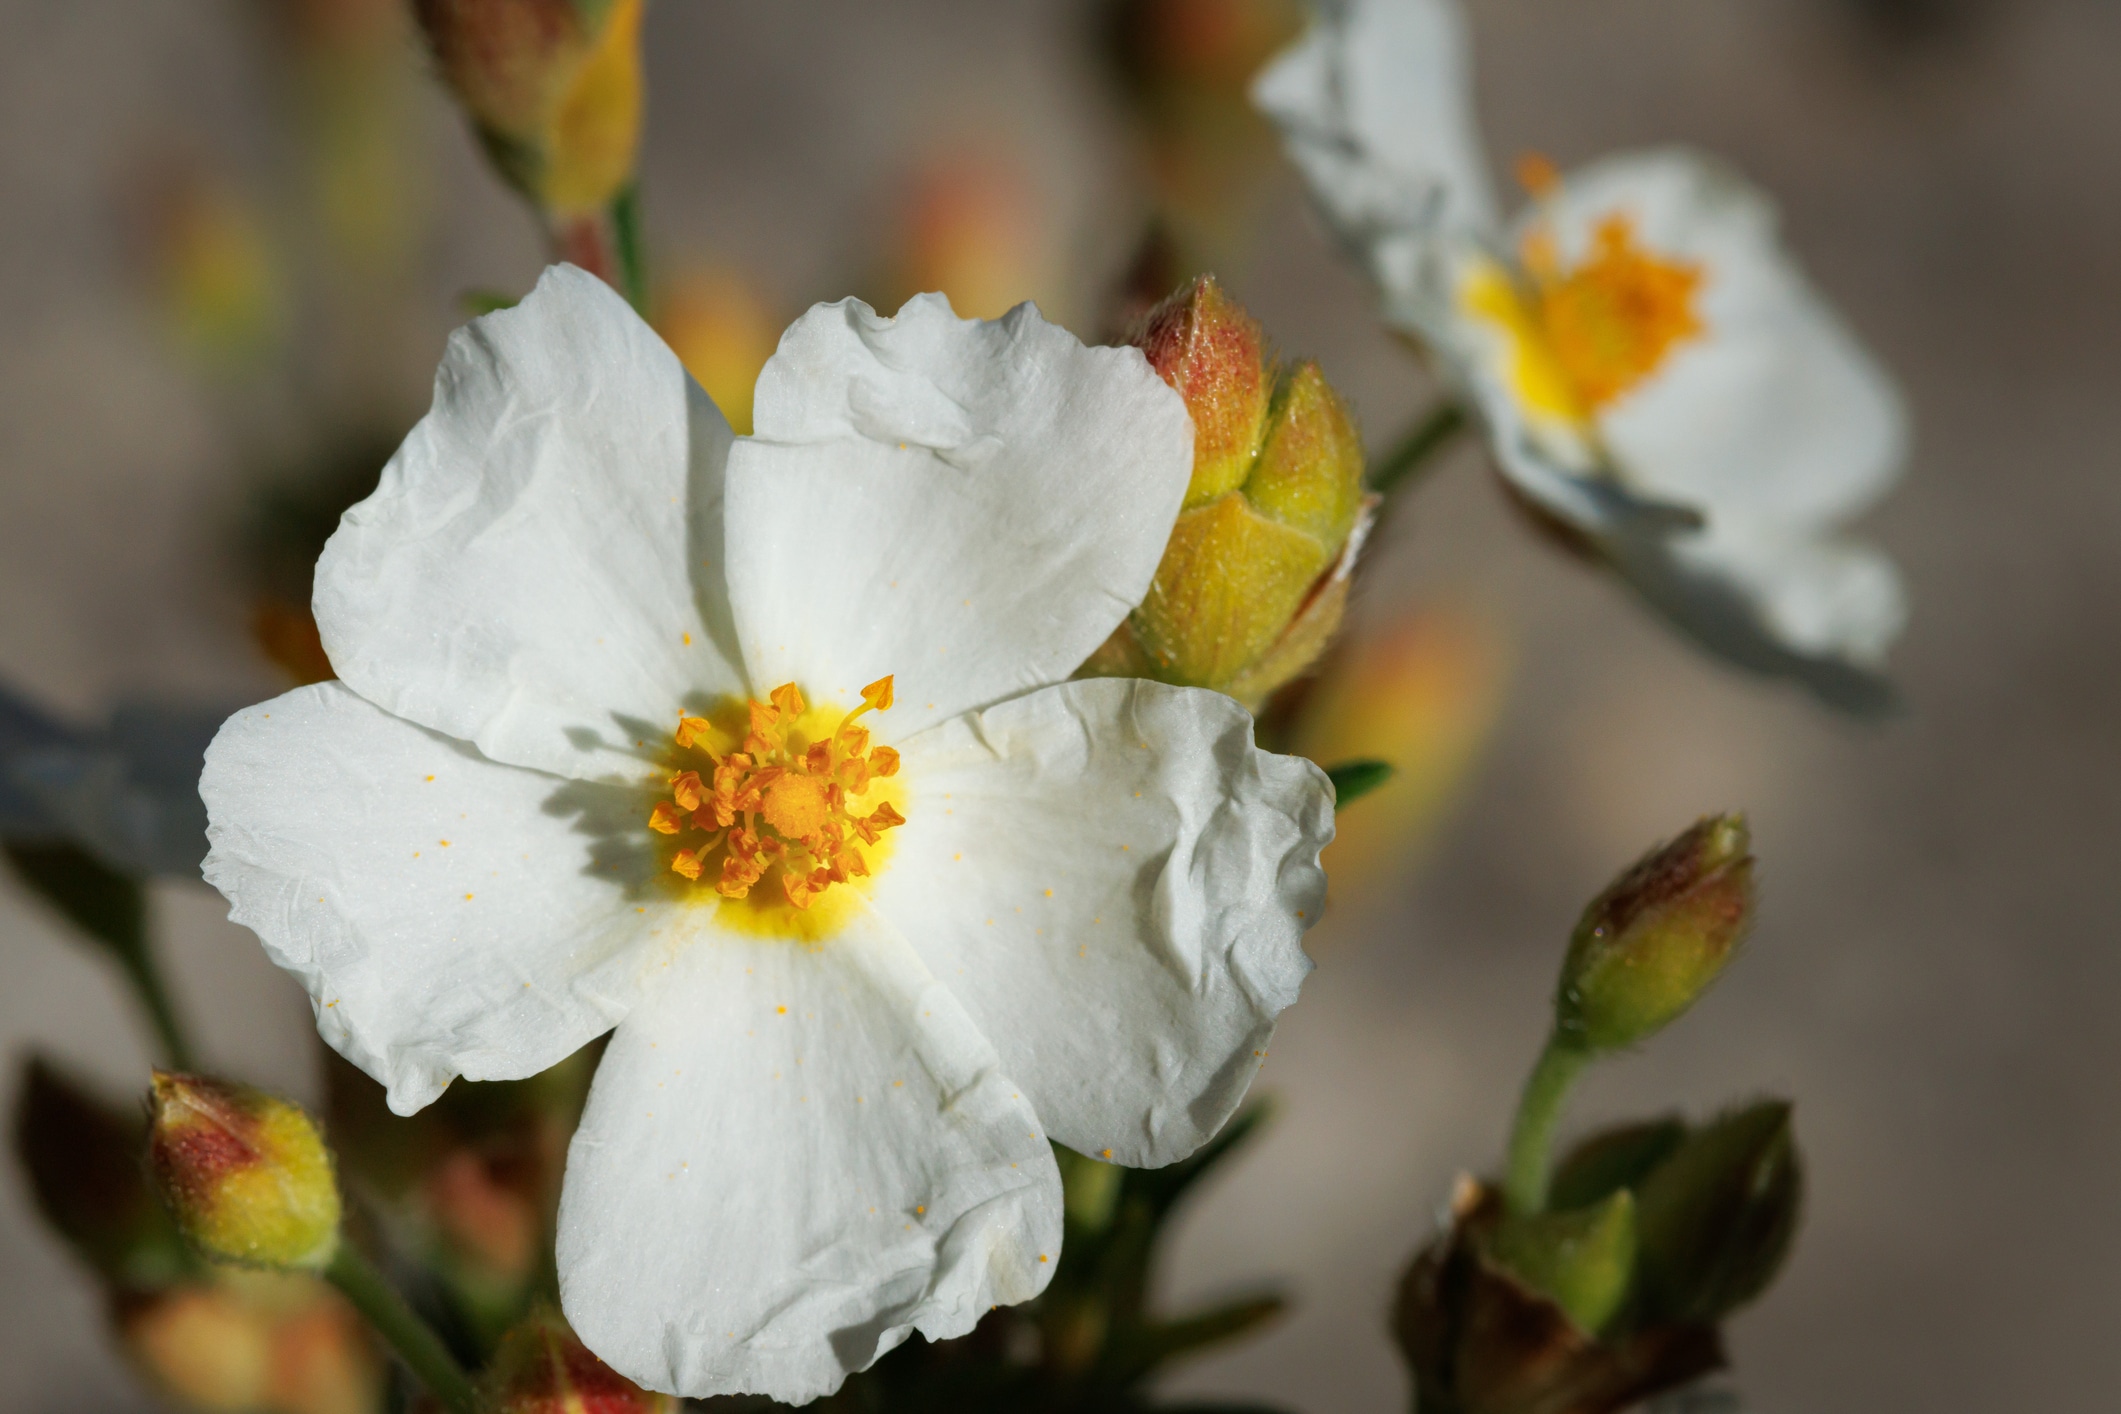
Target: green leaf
x,y
1613,1159
1583,1260
1352,779
1157,1343
109,906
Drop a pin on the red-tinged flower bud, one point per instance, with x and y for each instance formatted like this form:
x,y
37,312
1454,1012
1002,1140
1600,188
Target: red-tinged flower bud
x,y
1652,943
245,1174
553,87
1255,577
542,1367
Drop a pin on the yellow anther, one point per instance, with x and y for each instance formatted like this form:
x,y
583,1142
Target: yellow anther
x,y
784,802
1537,174
1612,319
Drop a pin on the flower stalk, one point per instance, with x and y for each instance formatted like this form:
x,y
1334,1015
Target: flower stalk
x,y
1414,455
413,1340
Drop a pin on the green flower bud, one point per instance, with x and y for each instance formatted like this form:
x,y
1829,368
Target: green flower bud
x,y
1255,578
82,1158
1717,1218
1582,1260
542,1367
553,88
1613,1159
245,1174
1652,943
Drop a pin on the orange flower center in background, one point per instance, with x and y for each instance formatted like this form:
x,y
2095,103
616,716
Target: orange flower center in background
x,y
1611,320
786,801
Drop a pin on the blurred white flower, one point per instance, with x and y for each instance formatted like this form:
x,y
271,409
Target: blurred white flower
x,y
1654,371
591,761
127,792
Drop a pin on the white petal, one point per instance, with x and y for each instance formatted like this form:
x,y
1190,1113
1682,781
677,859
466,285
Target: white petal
x,y
1821,611
448,915
1375,106
970,506
792,1157
1116,882
1774,412
539,571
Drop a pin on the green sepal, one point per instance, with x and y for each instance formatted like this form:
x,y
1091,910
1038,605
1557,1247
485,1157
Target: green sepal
x,y
1613,1159
1716,1219
1582,1260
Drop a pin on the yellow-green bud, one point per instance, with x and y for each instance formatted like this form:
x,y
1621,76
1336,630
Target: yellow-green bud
x,y
1255,577
1583,1260
1652,943
245,1174
542,1367
552,86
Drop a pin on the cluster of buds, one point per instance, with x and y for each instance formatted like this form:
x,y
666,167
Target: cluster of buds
x,y
208,1338
553,88
1603,1284
1255,578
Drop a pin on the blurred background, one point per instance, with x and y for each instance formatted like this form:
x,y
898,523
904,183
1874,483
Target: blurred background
x,y
1935,975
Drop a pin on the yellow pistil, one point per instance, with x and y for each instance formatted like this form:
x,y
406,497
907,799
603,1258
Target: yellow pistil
x,y
781,801
1612,320
1580,337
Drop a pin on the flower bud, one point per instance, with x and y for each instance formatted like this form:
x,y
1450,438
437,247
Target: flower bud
x,y
1481,1339
254,1341
1255,577
1652,943
1583,1260
83,1161
553,88
245,1174
542,1367
1717,1217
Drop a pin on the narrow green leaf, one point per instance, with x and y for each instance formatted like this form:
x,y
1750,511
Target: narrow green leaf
x,y
1357,778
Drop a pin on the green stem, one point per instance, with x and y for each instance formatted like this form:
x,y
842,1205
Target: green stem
x,y
1532,1138
153,992
1422,442
412,1338
632,252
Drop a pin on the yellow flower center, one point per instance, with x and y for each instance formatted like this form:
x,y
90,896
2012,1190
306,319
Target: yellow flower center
x,y
779,798
1581,337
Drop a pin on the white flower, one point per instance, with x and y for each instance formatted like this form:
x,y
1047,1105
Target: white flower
x,y
1654,371
592,743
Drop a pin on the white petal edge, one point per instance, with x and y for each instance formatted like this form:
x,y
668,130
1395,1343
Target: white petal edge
x,y
539,571
1116,882
1375,106
1775,412
448,915
1820,611
971,506
792,1158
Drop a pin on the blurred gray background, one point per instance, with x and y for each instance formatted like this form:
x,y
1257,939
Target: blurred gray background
x,y
1936,973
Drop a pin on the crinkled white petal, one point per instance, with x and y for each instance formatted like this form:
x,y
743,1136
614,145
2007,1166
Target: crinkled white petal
x,y
1820,610
539,572
1117,882
969,505
792,1157
1774,412
1375,106
449,915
